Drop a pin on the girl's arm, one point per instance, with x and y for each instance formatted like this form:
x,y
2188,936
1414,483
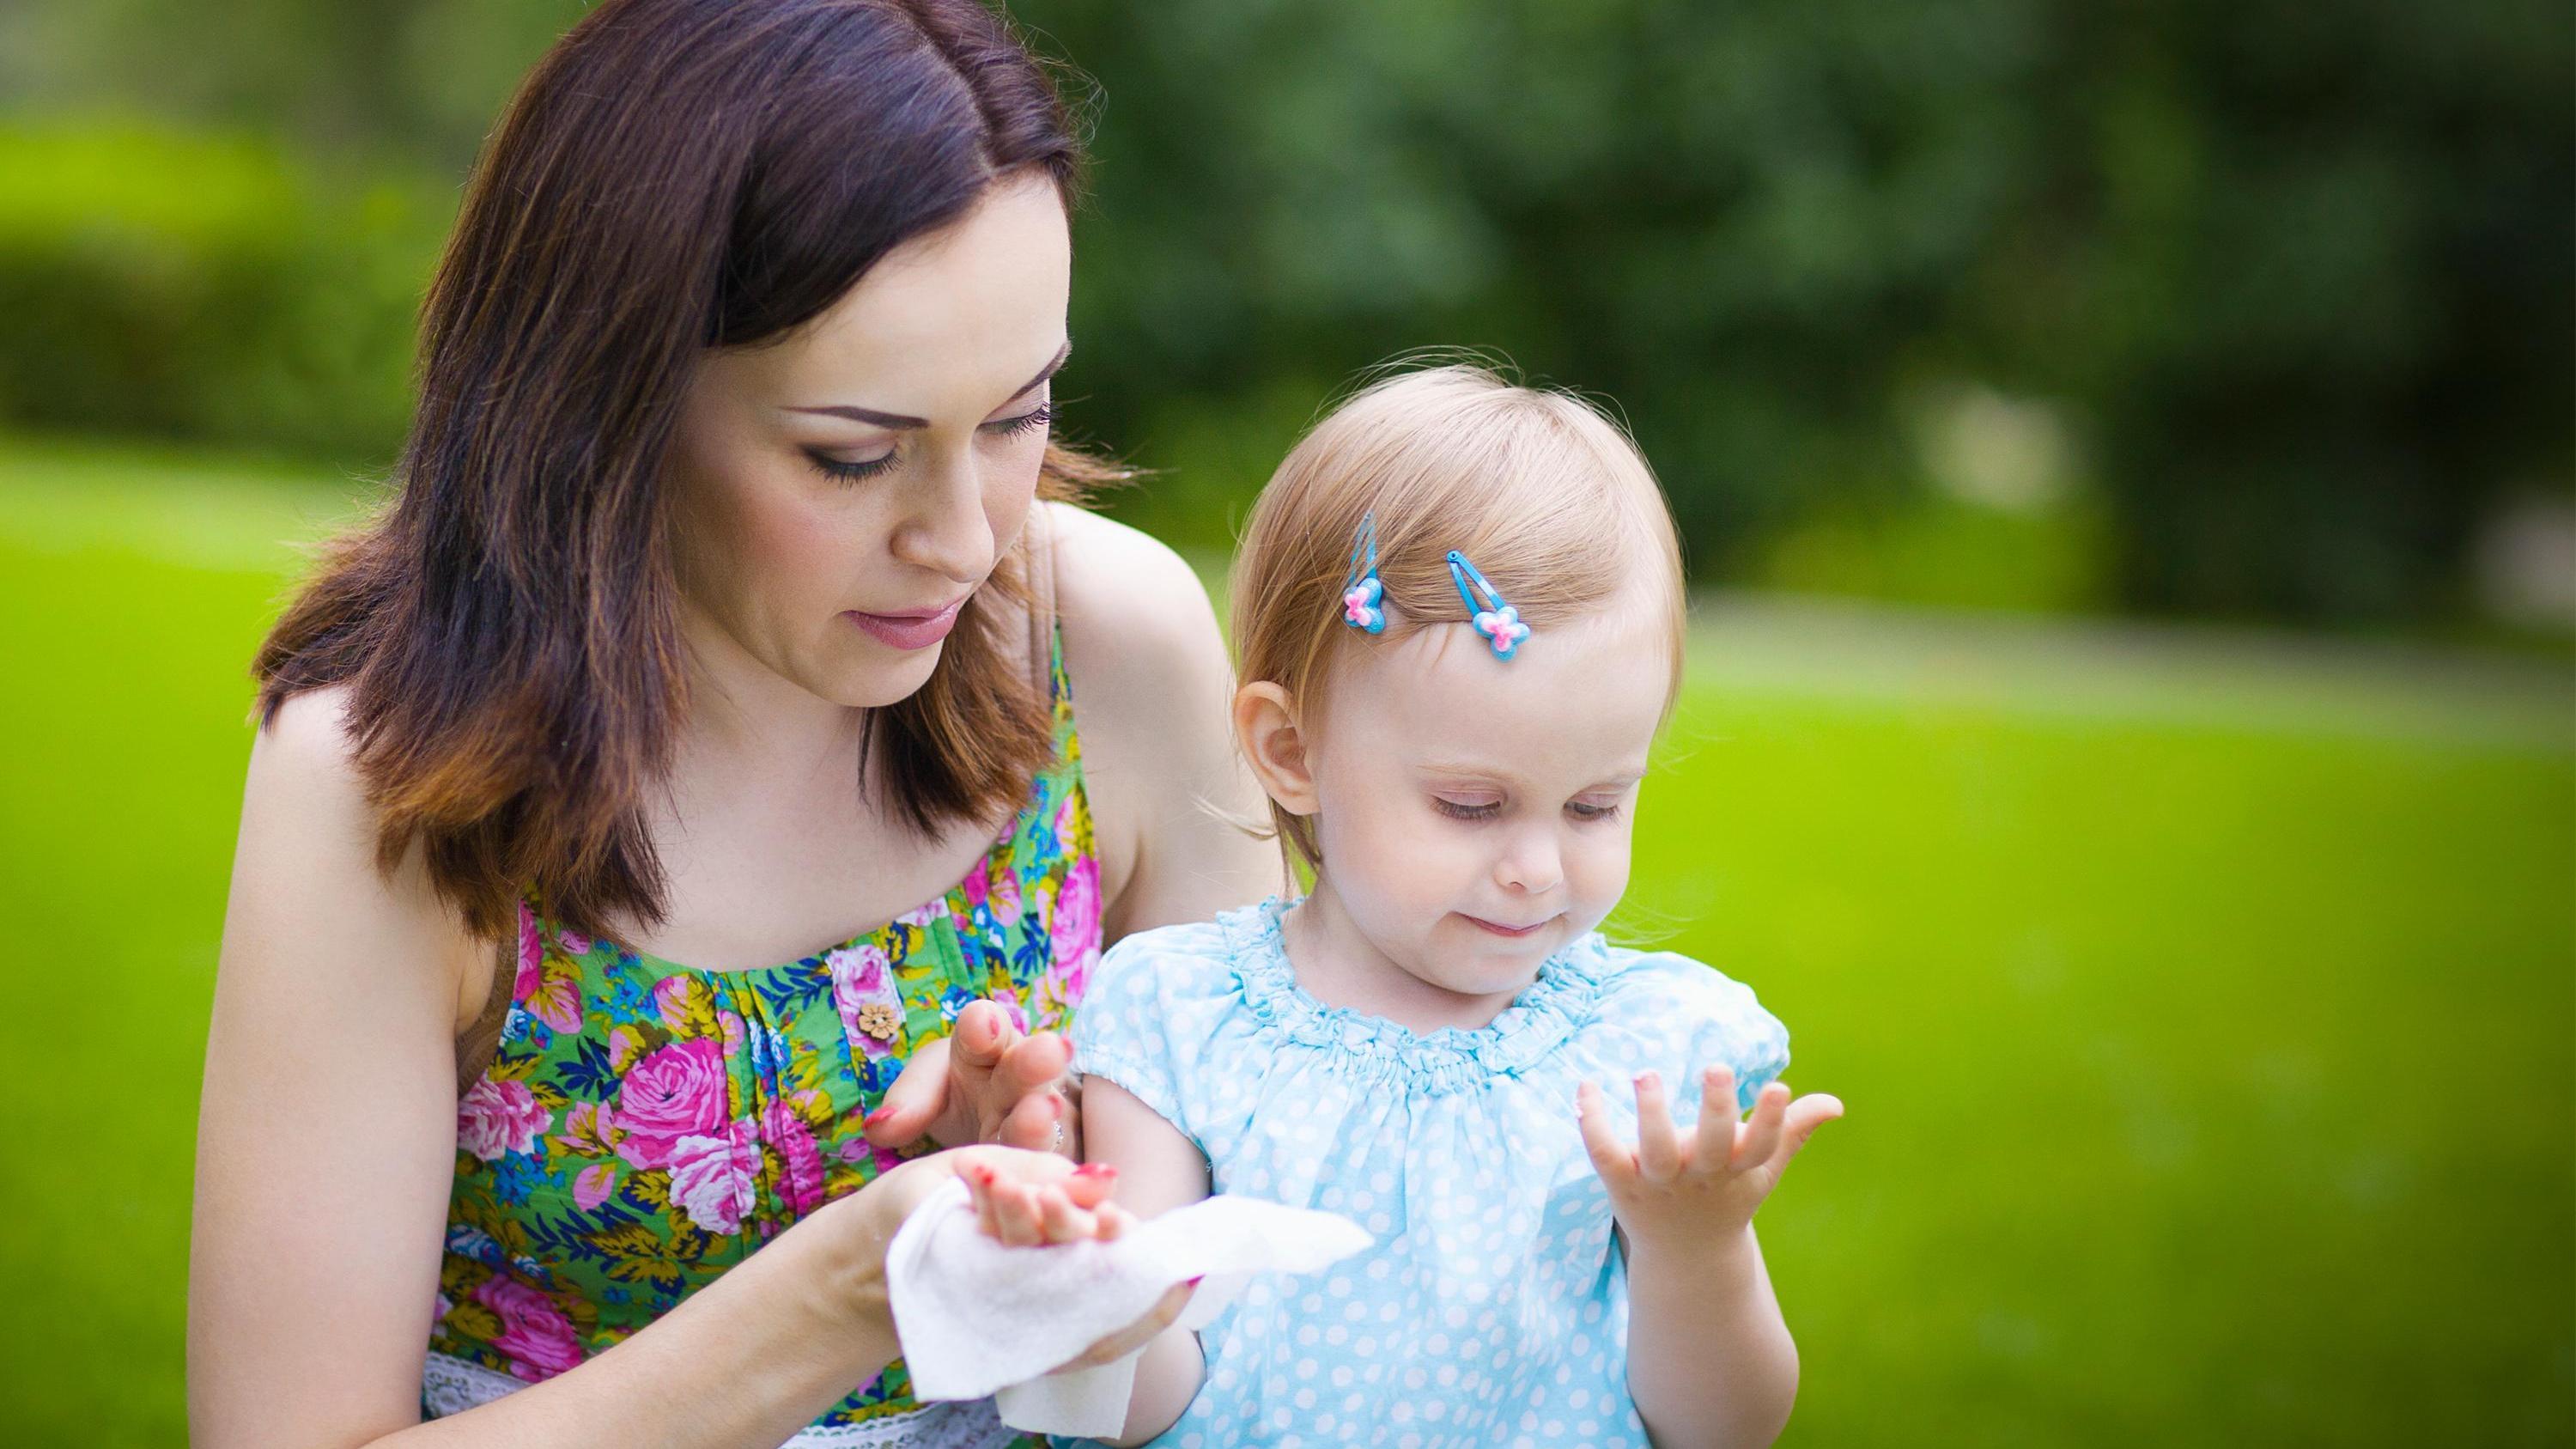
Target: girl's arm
x,y
1709,1360
326,1146
1155,1168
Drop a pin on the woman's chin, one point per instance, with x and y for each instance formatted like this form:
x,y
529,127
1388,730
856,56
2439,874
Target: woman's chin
x,y
876,683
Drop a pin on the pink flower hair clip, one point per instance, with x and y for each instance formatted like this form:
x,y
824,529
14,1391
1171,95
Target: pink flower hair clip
x,y
1497,620
1363,593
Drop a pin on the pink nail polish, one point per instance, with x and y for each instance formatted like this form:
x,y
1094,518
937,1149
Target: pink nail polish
x,y
1100,1170
1194,1282
876,1117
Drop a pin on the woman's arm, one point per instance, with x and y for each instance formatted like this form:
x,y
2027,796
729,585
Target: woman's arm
x,y
1153,692
326,1147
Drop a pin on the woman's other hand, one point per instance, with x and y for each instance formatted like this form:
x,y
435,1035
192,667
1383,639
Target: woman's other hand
x,y
986,1082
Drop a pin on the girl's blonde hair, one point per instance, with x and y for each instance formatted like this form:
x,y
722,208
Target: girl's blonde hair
x,y
1542,492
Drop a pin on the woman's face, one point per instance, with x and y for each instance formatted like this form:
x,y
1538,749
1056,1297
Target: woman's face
x,y
841,493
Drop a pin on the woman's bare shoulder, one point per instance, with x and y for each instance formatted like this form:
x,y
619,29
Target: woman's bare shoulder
x,y
1153,692
307,859
1139,632
1110,571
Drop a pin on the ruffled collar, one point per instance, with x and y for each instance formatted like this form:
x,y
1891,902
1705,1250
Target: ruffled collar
x,y
1451,1059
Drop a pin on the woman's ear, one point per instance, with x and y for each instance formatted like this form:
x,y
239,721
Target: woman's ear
x,y
1267,730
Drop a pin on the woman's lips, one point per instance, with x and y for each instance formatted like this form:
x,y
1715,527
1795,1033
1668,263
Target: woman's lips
x,y
912,629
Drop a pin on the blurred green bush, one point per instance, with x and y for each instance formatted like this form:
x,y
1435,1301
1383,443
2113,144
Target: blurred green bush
x,y
2287,280
200,287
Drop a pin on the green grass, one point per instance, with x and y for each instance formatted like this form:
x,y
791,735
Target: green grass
x,y
2204,1003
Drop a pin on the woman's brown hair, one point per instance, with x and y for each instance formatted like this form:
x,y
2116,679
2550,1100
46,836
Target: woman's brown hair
x,y
675,175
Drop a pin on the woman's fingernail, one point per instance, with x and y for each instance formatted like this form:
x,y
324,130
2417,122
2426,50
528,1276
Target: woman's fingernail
x,y
1100,1170
876,1117
1194,1282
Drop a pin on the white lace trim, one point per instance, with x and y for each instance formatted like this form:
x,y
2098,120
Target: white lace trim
x,y
450,1385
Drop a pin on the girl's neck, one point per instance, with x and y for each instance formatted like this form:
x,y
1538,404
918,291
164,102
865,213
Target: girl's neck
x,y
1338,965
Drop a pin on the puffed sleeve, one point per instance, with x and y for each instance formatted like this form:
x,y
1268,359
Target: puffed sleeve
x,y
1690,1017
1124,1030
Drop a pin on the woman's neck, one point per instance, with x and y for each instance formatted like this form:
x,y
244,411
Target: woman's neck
x,y
1336,963
744,716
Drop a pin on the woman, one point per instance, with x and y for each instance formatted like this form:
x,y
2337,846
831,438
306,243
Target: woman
x,y
689,749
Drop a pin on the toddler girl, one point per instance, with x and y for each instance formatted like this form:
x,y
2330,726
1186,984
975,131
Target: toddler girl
x,y
1459,612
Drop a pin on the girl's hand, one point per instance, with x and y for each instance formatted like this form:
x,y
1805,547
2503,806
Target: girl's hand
x,y
1030,1212
1701,1188
984,1082
1033,1212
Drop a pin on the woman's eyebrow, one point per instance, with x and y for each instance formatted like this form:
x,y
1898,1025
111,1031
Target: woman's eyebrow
x,y
859,414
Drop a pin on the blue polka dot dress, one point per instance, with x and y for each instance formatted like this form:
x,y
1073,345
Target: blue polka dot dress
x,y
1493,1309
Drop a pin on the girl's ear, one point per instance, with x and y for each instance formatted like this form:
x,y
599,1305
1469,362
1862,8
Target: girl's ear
x,y
1267,731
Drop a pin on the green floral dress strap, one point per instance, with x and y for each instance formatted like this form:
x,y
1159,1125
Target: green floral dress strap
x,y
645,1125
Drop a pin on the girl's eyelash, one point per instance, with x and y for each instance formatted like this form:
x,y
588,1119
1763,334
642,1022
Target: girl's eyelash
x,y
834,468
1487,811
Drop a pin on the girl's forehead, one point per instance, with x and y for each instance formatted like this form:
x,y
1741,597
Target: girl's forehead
x,y
1583,700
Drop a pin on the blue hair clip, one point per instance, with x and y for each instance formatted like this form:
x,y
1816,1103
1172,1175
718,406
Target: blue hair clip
x,y
1363,593
1498,621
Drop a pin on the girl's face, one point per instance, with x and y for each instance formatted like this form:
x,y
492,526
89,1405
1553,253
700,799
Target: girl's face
x,y
1474,812
841,492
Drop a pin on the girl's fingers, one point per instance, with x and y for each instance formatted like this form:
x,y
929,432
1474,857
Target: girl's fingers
x,y
1762,1134
1113,1221
1715,1141
979,1190
1090,1184
1610,1156
1017,1208
1659,1152
1806,1115
1063,1222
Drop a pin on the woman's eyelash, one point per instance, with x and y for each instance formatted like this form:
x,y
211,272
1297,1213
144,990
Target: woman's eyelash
x,y
834,468
1030,421
839,471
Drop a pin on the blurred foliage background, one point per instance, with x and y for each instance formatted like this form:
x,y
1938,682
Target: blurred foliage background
x,y
2183,904
2259,308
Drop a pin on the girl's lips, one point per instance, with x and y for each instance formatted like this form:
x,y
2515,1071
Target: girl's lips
x,y
913,630
1513,932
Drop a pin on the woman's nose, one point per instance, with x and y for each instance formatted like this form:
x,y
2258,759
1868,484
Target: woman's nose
x,y
948,533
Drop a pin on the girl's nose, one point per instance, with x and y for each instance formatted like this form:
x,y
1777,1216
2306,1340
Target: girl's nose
x,y
1532,866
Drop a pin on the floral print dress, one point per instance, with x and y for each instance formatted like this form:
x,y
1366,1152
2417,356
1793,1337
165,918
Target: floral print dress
x,y
645,1125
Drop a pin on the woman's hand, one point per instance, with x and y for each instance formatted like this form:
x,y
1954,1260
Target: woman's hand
x,y
983,1083
1703,1187
1041,1209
